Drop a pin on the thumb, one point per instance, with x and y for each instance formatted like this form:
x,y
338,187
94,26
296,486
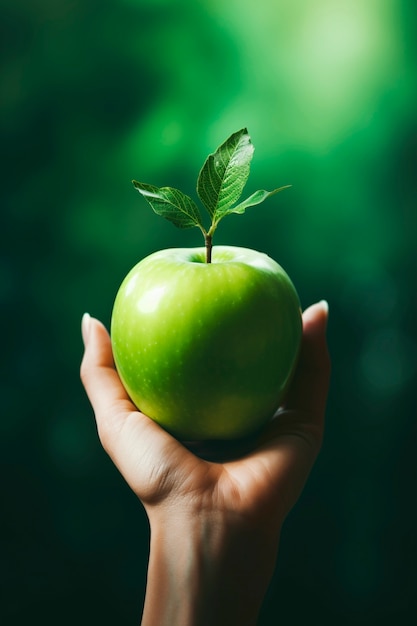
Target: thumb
x,y
98,373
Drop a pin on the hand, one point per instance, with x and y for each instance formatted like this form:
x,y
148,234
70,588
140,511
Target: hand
x,y
214,526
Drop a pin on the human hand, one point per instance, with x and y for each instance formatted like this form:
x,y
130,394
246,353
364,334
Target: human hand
x,y
237,506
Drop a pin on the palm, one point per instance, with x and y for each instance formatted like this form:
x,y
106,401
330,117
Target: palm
x,y
267,479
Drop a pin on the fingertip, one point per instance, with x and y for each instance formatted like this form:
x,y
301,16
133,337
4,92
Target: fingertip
x,y
98,372
324,305
316,317
309,387
97,343
319,308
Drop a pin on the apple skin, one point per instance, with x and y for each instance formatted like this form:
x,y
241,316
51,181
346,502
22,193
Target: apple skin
x,y
207,350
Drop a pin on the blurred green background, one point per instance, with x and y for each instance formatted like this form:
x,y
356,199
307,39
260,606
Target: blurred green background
x,y
97,92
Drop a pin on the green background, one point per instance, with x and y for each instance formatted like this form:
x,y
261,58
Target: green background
x,y
97,92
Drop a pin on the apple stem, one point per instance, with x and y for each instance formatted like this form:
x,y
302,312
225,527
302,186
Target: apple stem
x,y
209,245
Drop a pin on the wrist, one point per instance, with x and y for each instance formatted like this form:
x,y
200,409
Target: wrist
x,y
206,568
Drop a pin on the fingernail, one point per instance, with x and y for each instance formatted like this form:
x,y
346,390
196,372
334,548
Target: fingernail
x,y
325,308
324,305
85,327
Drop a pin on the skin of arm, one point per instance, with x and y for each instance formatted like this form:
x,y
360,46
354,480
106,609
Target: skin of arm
x,y
215,526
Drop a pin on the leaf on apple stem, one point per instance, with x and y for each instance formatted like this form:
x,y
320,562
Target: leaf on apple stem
x,y
219,186
172,204
224,174
256,198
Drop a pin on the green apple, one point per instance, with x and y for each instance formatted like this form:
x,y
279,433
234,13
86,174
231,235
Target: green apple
x,y
207,350
206,340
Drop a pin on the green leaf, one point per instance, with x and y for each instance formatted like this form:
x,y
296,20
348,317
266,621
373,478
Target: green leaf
x,y
172,204
224,174
256,198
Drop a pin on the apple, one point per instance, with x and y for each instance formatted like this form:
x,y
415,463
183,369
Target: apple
x,y
207,350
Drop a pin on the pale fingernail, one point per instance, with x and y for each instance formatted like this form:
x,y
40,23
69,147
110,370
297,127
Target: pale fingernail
x,y
85,327
325,308
324,305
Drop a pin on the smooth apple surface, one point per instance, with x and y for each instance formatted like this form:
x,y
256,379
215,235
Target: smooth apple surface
x,y
207,349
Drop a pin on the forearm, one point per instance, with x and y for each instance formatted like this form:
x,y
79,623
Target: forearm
x,y
205,571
